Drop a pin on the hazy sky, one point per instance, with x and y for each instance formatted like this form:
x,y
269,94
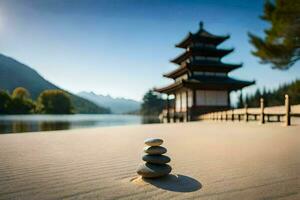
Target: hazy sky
x,y
122,47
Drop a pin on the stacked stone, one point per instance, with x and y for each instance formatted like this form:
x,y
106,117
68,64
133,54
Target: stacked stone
x,y
155,163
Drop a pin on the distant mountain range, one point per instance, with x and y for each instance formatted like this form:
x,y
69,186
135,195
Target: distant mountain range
x,y
15,74
116,105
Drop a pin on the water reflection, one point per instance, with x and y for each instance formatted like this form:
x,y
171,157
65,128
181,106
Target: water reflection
x,y
49,126
31,126
33,123
20,126
150,120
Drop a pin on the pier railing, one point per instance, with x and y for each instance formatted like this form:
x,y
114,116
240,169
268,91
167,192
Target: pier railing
x,y
262,114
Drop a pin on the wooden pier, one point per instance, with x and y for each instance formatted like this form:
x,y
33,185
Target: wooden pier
x,y
262,114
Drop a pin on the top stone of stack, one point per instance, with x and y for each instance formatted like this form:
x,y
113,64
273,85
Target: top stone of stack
x,y
153,142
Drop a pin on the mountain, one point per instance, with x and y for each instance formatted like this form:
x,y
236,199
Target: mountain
x,y
116,105
15,74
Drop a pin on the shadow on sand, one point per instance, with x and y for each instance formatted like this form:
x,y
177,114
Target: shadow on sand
x,y
175,183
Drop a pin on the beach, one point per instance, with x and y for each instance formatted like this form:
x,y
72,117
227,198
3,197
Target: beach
x,y
210,160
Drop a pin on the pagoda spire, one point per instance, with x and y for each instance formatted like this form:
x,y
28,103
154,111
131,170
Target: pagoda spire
x,y
201,25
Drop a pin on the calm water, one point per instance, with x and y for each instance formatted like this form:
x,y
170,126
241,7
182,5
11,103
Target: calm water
x,y
32,123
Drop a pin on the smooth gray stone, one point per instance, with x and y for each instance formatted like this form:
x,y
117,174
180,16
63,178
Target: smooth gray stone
x,y
148,170
156,159
155,150
153,141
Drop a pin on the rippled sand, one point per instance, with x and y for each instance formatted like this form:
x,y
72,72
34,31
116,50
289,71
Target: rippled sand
x,y
210,160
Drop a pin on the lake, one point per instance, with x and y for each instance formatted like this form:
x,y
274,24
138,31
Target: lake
x,y
33,123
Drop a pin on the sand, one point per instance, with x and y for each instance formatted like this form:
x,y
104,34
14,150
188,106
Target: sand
x,y
210,160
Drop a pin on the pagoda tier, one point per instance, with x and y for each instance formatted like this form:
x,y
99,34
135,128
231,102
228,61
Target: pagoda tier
x,y
201,36
202,53
206,83
202,66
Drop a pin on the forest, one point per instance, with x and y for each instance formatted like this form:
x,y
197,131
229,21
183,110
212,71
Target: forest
x,y
48,102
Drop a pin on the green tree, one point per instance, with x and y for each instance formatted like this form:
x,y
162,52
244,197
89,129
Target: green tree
x,y
152,104
281,45
21,93
254,101
54,102
247,102
5,101
21,102
240,103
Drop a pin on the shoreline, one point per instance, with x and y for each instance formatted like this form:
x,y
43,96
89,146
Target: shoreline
x,y
250,123
295,122
36,123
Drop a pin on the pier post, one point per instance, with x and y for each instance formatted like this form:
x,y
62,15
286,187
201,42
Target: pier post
x,y
278,118
262,114
287,111
168,109
246,113
232,115
174,112
187,106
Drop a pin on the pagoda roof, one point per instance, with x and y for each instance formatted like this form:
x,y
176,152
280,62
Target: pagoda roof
x,y
208,52
170,88
213,66
205,66
202,36
206,83
177,72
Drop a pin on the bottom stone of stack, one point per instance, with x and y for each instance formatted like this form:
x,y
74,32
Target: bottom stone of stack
x,y
149,170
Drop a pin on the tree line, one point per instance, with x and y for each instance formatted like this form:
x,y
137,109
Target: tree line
x,y
48,102
272,97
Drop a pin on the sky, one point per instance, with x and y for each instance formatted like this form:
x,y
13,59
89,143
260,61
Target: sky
x,y
122,47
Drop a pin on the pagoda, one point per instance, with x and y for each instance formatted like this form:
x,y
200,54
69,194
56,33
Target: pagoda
x,y
201,82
